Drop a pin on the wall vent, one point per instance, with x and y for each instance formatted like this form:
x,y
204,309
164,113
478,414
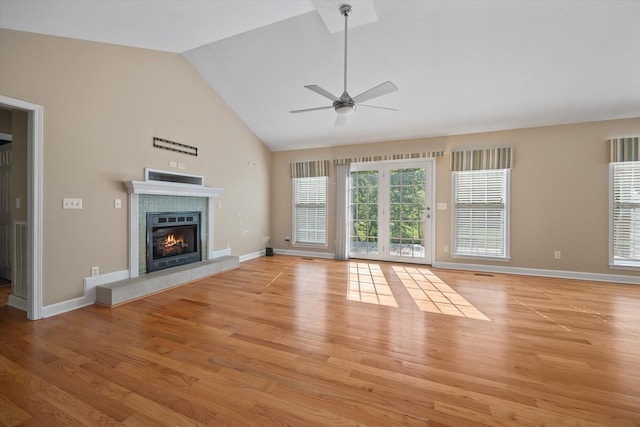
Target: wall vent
x,y
154,175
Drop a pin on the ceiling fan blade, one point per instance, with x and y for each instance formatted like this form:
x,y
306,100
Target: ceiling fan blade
x,y
312,109
341,120
381,89
320,91
375,106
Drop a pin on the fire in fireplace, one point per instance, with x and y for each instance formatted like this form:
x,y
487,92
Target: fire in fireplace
x,y
173,238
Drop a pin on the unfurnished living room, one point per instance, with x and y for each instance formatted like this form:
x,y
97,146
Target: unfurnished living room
x,y
319,212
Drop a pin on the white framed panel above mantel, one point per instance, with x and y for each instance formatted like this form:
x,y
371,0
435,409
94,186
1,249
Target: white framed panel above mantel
x,y
165,188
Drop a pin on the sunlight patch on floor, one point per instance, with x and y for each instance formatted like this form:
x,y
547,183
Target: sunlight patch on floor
x,y
368,284
432,295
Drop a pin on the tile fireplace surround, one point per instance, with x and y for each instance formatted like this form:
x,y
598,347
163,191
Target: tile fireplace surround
x,y
169,192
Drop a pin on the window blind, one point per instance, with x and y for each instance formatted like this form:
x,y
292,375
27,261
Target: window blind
x,y
310,205
479,221
626,213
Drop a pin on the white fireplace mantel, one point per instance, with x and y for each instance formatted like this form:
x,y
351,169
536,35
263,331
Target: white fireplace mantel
x,y
162,188
171,189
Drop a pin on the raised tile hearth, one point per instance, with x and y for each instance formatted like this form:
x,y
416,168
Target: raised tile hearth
x,y
123,291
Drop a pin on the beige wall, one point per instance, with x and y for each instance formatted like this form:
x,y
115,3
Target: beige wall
x,y
559,191
103,104
19,122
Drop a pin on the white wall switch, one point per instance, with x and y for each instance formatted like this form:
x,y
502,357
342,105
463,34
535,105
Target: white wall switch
x,y
17,202
117,203
173,164
441,206
68,203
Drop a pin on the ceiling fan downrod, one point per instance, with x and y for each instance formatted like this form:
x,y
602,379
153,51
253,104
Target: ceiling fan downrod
x,y
345,10
345,106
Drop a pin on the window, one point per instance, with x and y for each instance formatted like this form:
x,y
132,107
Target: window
x,y
480,213
625,214
310,210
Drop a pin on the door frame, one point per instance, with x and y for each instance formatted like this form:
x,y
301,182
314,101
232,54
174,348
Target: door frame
x,y
430,201
35,123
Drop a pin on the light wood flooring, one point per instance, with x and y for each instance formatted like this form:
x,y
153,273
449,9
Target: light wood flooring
x,y
309,342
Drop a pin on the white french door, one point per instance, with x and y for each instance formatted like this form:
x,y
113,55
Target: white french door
x,y
390,211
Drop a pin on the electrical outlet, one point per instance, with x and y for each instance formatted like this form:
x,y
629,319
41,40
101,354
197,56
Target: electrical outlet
x,y
95,271
446,249
68,203
557,255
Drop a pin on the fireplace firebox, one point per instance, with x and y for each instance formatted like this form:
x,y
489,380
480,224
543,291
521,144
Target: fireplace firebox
x,y
173,239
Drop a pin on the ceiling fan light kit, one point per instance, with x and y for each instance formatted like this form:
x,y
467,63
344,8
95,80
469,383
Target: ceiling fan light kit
x,y
346,105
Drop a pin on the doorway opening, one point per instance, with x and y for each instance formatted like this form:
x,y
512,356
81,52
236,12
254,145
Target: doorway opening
x,y
33,303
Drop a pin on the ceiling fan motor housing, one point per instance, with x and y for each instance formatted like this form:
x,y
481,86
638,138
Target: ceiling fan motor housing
x,y
344,107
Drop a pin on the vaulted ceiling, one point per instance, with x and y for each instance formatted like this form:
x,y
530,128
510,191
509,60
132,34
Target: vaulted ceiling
x,y
460,66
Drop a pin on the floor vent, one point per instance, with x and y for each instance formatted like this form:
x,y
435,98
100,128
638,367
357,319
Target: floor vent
x,y
483,274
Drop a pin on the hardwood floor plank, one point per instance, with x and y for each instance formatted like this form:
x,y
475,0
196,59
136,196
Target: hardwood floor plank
x,y
278,342
10,412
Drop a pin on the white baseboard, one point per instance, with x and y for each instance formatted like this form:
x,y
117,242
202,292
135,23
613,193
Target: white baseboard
x,y
221,253
89,297
17,302
250,256
68,305
561,274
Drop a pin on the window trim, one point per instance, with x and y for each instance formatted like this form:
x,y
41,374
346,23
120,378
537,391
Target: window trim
x,y
507,220
613,264
294,234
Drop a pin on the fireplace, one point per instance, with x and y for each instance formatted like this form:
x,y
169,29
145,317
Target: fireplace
x,y
173,239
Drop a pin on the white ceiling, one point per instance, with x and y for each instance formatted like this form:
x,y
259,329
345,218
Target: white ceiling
x,y
460,66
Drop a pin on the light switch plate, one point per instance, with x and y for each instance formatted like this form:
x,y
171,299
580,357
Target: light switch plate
x,y
441,206
69,203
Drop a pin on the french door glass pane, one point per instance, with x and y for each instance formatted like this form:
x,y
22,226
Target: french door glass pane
x,y
407,212
364,212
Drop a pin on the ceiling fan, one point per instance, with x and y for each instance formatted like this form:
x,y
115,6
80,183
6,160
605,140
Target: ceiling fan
x,y
345,105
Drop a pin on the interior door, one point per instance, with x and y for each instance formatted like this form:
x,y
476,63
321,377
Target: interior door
x,y
391,211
